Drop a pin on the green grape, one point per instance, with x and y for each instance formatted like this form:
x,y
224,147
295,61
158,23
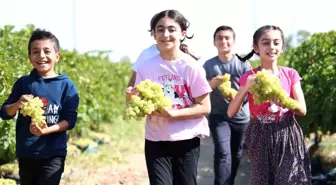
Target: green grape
x,y
34,109
225,87
7,182
150,98
268,87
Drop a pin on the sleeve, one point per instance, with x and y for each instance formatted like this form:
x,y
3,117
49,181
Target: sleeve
x,y
199,85
206,70
295,77
243,78
139,61
70,106
12,98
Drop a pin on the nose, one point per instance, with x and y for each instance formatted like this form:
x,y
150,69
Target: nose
x,y
166,33
42,54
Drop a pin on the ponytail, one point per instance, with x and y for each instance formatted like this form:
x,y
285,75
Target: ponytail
x,y
184,48
247,57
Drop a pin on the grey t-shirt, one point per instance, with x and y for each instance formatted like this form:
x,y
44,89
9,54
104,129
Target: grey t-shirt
x,y
236,69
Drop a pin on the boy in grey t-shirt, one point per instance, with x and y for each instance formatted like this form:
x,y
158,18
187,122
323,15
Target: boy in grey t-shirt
x,y
227,133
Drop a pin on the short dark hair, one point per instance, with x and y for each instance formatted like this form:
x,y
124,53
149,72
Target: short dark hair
x,y
41,34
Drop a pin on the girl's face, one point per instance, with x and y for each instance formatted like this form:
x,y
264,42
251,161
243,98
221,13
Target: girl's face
x,y
270,45
168,34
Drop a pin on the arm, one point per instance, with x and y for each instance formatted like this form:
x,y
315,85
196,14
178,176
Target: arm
x,y
201,107
238,100
132,79
298,95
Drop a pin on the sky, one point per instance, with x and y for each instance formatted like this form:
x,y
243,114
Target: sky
x,y
122,26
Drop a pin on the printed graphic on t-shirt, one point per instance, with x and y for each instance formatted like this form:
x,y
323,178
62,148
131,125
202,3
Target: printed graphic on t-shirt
x,y
176,91
51,111
270,112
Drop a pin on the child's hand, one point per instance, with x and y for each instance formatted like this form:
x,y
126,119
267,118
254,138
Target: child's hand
x,y
250,81
130,91
37,130
215,81
23,99
166,112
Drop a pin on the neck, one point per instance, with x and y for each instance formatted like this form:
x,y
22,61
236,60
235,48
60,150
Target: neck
x,y
48,74
270,66
171,55
224,57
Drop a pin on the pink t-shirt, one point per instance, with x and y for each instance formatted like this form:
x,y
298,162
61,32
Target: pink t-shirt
x,y
264,112
182,81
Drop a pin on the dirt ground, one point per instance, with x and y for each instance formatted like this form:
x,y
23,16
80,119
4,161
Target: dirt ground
x,y
134,171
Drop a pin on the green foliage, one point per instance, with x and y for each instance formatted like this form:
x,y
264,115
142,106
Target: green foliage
x,y
315,61
100,83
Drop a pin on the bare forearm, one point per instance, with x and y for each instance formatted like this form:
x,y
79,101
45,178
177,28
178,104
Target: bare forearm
x,y
12,109
302,110
60,127
237,102
132,80
193,111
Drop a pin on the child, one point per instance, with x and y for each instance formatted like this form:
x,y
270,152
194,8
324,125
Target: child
x,y
227,133
40,151
151,52
274,138
172,137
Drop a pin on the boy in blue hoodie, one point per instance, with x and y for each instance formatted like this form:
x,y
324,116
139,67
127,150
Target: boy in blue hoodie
x,y
41,151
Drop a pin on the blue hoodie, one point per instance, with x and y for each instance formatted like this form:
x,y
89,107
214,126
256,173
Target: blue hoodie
x,y
60,98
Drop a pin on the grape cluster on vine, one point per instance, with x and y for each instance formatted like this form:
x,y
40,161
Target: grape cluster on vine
x,y
225,87
34,109
150,98
268,87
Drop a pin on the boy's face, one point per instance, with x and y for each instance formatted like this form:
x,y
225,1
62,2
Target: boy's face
x,y
43,56
224,41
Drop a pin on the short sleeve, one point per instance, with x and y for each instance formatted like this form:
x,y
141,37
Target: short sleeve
x,y
243,78
139,60
199,85
295,77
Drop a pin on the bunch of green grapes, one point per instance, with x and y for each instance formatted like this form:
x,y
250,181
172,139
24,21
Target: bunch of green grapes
x,y
225,87
34,109
150,98
7,182
268,87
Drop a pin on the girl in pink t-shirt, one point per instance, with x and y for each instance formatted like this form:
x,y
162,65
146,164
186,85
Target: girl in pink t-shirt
x,y
172,137
274,139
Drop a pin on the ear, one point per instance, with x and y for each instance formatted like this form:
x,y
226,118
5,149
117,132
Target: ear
x,y
184,33
255,48
58,56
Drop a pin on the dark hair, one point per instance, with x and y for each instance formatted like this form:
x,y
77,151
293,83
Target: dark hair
x,y
223,28
151,23
41,34
173,14
257,35
184,48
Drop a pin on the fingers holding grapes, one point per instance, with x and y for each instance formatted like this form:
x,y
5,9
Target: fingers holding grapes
x,y
130,91
250,81
24,99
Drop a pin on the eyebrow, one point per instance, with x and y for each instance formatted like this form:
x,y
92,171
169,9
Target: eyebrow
x,y
160,26
270,39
